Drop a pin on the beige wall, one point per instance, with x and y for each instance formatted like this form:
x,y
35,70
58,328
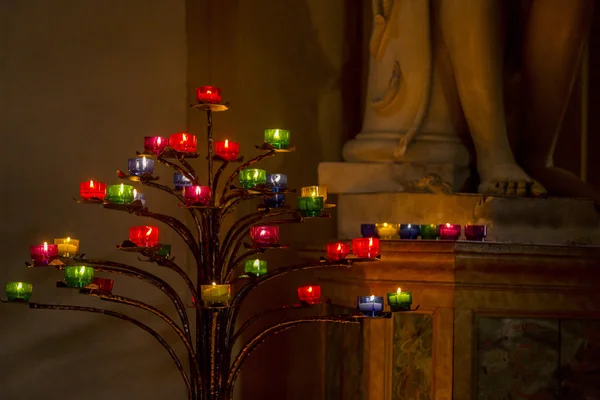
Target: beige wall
x,y
81,83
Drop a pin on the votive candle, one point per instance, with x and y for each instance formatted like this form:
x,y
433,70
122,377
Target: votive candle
x,y
18,291
140,165
196,195
215,295
144,236
119,194
78,276
309,294
180,181
337,251
265,234
67,247
409,231
183,142
368,230
89,190
251,177
476,232
155,144
365,247
227,150
310,206
369,305
164,251
43,254
430,231
449,231
278,138
399,300
387,231
208,94
315,191
277,182
255,267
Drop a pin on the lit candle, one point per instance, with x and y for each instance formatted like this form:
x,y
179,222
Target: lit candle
x,y
309,294
277,182
449,232
103,284
180,181
215,295
119,194
67,247
140,165
399,300
78,276
155,144
227,150
278,138
164,251
365,247
208,94
310,206
265,235
275,201
183,142
368,230
315,191
251,177
387,231
370,305
144,236
92,190
430,232
19,291
255,267
409,231
196,195
43,254
476,232
139,196
337,251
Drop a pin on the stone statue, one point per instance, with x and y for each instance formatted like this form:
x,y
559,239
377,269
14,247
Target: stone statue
x,y
438,71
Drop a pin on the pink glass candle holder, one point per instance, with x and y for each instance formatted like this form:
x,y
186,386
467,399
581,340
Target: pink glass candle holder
x,y
337,251
196,195
309,294
265,235
92,190
476,232
144,236
449,231
155,144
365,247
208,94
183,142
44,253
227,150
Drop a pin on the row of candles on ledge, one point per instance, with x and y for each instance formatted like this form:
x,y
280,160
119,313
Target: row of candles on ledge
x,y
426,232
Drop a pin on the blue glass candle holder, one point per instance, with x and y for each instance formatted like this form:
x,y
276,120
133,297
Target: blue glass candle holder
x,y
179,180
139,196
140,165
368,230
370,306
277,182
275,201
409,231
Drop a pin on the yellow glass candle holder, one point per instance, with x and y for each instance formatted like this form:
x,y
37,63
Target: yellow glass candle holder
x,y
215,295
315,191
387,231
67,247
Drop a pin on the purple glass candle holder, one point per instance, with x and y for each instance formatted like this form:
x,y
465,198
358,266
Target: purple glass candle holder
x,y
476,232
141,165
409,231
43,254
368,230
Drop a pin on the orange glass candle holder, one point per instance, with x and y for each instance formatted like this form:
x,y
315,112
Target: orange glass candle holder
x,y
365,247
144,236
309,294
183,142
337,251
227,150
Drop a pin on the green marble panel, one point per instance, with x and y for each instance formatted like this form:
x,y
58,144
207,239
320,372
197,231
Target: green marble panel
x,y
580,359
412,374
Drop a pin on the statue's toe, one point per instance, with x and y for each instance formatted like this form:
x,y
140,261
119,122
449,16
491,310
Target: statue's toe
x,y
521,190
511,188
537,190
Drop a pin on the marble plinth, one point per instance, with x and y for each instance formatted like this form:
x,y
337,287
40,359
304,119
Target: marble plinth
x,y
509,219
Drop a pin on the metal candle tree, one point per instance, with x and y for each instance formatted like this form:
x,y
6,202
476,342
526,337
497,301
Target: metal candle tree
x,y
212,366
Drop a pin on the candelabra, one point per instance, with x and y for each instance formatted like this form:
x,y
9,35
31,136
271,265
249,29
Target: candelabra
x,y
212,366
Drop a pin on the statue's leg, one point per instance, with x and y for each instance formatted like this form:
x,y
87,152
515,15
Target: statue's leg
x,y
471,32
555,35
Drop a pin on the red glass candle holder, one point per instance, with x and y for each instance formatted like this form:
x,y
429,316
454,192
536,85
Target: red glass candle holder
x,y
144,236
476,232
92,190
309,294
365,247
155,144
44,253
196,195
337,251
208,94
265,235
227,150
183,142
449,231
104,284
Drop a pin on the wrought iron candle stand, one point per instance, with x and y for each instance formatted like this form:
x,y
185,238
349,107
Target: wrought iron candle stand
x,y
213,368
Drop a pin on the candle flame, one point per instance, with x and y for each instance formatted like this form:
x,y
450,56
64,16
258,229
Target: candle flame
x,y
448,225
45,246
226,143
19,286
399,290
409,226
183,138
143,162
372,298
134,193
68,240
91,184
263,232
198,190
385,224
257,263
149,231
339,247
255,174
122,188
214,283
276,178
310,289
82,270
159,141
370,241
313,194
276,135
208,92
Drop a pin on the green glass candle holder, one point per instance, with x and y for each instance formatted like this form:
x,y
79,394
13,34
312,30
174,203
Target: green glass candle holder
x,y
255,267
430,232
119,194
278,138
79,276
165,250
310,206
18,291
250,177
399,301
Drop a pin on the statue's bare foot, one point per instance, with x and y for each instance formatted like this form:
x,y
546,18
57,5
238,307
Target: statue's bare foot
x,y
508,179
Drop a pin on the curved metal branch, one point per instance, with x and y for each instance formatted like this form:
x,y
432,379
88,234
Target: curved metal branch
x,y
191,394
189,168
241,167
215,185
227,208
176,168
260,338
165,262
164,188
260,315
